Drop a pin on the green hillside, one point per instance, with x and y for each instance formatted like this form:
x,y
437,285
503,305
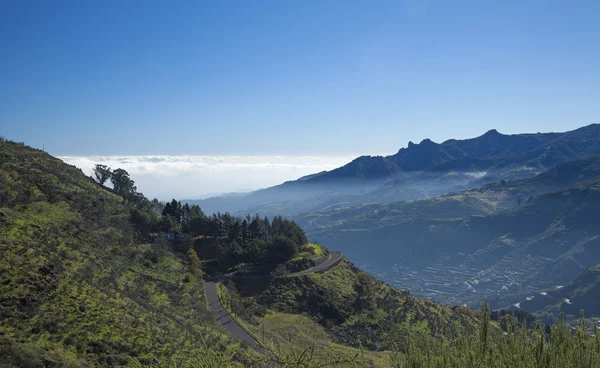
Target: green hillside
x,y
344,306
81,286
356,309
77,288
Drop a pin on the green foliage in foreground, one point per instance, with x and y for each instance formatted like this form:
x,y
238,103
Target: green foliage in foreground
x,y
517,347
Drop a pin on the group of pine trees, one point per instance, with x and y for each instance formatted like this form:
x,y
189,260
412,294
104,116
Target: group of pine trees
x,y
250,239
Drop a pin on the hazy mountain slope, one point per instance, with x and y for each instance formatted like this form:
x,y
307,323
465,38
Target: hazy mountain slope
x,y
583,293
431,251
419,170
372,216
477,201
75,288
581,142
427,154
364,167
505,194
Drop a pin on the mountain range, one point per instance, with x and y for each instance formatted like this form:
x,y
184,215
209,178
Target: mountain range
x,y
87,279
417,171
497,215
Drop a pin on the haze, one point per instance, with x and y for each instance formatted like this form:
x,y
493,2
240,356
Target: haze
x,y
164,177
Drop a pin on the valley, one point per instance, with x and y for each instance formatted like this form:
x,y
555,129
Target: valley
x,y
107,250
497,216
299,184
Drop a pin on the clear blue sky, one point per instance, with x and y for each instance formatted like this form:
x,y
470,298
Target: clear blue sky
x,y
291,77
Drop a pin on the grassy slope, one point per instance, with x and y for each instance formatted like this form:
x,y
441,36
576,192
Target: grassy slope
x,y
377,322
296,331
75,289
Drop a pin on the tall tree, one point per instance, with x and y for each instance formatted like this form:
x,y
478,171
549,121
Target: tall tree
x,y
122,183
102,173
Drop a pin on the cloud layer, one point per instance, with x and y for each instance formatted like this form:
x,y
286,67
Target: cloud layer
x,y
166,177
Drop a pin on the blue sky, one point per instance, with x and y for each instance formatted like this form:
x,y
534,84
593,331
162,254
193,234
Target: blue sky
x,y
291,77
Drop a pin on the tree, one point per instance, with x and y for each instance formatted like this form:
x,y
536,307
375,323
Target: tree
x,y
255,251
143,221
122,183
102,173
280,249
194,262
167,224
198,225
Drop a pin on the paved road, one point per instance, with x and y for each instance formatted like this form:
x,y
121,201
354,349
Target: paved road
x,y
335,258
224,319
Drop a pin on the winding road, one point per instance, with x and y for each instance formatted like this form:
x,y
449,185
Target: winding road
x,y
225,320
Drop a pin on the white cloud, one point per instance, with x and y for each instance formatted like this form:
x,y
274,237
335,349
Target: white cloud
x,y
167,177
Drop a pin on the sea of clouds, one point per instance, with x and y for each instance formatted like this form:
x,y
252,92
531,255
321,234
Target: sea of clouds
x,y
192,177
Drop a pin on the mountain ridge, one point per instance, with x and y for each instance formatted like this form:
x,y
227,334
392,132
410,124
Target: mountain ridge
x,y
500,156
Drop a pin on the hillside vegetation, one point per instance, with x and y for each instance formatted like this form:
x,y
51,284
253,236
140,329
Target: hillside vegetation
x,y
483,344
78,289
356,309
87,279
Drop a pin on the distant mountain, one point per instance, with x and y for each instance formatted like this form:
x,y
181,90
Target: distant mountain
x,y
307,177
546,149
364,167
420,170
